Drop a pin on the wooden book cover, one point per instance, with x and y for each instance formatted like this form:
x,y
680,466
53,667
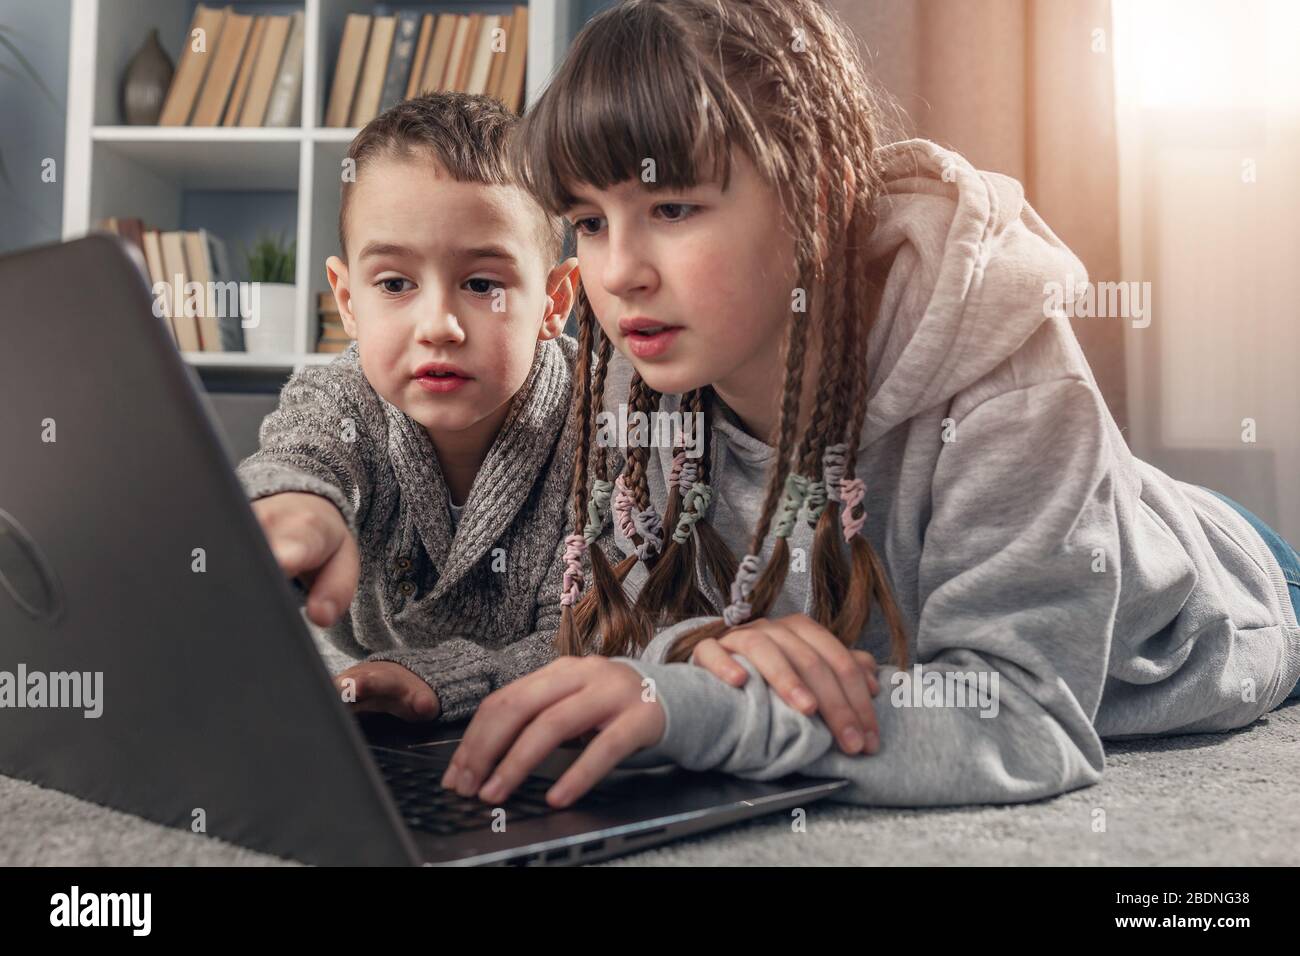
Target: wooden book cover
x,y
366,106
221,74
196,258
499,58
184,90
286,96
245,73
421,56
265,71
347,71
440,51
481,65
153,258
512,77
173,256
399,59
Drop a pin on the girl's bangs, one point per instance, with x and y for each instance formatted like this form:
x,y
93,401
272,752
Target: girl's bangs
x,y
631,101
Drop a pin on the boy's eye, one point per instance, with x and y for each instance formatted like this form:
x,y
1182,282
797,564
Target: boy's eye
x,y
480,286
387,285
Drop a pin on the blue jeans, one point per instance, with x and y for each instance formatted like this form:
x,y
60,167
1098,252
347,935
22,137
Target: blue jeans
x,y
1286,555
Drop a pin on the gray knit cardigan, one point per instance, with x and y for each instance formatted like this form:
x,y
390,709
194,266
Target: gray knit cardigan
x,y
467,609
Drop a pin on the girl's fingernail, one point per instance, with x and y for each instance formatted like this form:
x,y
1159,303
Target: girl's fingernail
x,y
737,676
802,699
873,742
492,789
448,776
559,796
466,787
852,740
328,610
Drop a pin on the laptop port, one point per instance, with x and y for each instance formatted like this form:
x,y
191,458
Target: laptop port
x,y
591,848
553,855
645,834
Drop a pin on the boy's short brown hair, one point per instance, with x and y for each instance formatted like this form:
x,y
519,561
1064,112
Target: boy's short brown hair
x,y
466,133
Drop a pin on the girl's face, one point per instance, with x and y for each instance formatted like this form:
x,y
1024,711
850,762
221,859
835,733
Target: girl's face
x,y
713,269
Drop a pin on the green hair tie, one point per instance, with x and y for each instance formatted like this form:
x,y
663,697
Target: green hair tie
x,y
694,506
796,490
816,500
597,508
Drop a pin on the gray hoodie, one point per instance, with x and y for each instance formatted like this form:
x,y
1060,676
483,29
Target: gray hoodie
x,y
1055,589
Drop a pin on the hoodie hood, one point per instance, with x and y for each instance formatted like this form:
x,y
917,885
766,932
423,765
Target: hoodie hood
x,y
966,288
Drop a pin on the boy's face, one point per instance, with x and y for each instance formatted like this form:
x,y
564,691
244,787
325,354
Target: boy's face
x,y
446,272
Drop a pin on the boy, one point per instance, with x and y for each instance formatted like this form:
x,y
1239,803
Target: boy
x,y
418,483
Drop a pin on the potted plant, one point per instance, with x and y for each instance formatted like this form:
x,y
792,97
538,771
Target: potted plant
x,y
269,319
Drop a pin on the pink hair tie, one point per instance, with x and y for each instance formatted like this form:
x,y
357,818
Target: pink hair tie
x,y
675,475
851,494
623,505
575,546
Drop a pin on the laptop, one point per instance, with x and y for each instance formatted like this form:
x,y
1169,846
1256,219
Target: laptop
x,y
159,662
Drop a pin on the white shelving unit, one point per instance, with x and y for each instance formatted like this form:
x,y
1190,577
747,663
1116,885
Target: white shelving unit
x,y
145,171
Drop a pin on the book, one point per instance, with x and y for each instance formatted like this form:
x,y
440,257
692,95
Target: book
x,y
174,265
421,56
286,97
499,53
481,63
200,271
245,74
365,107
347,69
435,69
471,50
264,71
456,55
184,90
405,35
157,273
132,230
231,321
512,75
221,74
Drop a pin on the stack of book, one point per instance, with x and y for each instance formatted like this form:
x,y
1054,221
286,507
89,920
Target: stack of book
x,y
383,60
204,317
240,70
333,337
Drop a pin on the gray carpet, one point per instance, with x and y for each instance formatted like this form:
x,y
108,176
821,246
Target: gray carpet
x,y
1204,800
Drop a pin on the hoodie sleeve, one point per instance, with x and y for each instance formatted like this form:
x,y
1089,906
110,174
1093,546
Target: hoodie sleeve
x,y
319,441
1018,584
463,672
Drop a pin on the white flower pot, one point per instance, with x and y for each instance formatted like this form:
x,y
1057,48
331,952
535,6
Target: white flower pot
x,y
269,319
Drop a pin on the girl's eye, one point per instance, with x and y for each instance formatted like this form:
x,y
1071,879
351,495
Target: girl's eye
x,y
682,210
480,286
578,225
387,285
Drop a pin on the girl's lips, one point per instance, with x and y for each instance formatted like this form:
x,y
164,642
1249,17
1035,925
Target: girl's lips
x,y
446,383
651,346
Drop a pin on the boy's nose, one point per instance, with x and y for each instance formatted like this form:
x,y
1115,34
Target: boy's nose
x,y
440,325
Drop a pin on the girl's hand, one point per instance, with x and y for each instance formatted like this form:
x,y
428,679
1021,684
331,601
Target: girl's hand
x,y
529,718
793,654
386,687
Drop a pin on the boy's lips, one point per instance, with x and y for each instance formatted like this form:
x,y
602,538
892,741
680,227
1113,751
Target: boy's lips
x,y
647,338
441,377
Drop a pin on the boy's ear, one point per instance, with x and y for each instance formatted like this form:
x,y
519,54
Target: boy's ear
x,y
336,270
561,293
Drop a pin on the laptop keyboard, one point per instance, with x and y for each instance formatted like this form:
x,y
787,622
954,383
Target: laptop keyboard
x,y
416,785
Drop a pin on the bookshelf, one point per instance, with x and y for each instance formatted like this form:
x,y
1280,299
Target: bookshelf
x,y
240,181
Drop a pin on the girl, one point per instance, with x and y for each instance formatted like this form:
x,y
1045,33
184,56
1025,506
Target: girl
x,y
938,448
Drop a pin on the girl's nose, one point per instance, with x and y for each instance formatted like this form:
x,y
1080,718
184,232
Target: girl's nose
x,y
628,270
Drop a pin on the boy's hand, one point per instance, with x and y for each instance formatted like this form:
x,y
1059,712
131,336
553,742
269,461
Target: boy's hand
x,y
311,542
795,653
389,688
